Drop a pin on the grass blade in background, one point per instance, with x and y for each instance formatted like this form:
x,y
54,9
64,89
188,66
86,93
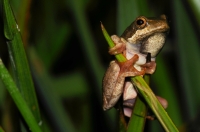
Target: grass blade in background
x,y
88,42
128,10
1,129
188,59
195,7
89,48
21,9
18,99
53,101
164,87
19,63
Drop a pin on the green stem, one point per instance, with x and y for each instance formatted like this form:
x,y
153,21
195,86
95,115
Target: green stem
x,y
18,59
138,117
139,113
1,129
19,101
145,91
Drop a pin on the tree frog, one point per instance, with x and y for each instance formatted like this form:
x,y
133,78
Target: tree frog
x,y
143,36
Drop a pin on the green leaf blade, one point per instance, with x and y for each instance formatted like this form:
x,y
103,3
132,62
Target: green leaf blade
x,y
19,62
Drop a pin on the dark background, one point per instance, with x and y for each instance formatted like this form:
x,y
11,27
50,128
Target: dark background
x,y
68,57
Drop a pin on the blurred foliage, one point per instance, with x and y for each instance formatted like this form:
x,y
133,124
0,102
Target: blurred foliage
x,y
68,57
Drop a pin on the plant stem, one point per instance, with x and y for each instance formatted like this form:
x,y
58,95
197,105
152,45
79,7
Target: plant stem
x,y
18,59
18,99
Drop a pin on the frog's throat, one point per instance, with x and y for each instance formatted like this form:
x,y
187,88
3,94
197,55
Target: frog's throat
x,y
132,49
144,46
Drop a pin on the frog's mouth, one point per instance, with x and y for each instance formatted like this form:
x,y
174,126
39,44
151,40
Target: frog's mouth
x,y
153,44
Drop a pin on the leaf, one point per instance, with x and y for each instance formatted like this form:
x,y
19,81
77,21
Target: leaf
x,y
18,59
18,99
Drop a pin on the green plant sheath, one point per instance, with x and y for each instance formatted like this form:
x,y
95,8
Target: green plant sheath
x,y
19,101
19,63
145,91
1,129
138,118
139,113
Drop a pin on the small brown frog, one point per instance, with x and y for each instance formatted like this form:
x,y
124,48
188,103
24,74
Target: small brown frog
x,y
143,36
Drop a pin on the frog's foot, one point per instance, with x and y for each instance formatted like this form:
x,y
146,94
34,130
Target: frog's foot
x,y
149,67
127,69
128,106
119,47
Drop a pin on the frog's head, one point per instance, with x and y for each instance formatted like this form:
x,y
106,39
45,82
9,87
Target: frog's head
x,y
149,33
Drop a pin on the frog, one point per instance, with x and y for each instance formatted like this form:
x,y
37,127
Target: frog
x,y
145,36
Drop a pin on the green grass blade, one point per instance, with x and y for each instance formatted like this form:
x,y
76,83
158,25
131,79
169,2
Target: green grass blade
x,y
188,58
18,99
18,60
148,95
8,25
124,17
119,57
138,117
163,81
88,43
195,7
154,104
139,113
1,129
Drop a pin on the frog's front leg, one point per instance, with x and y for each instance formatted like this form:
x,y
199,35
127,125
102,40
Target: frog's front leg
x,y
120,45
113,82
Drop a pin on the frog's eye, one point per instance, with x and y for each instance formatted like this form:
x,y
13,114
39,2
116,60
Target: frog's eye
x,y
141,22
